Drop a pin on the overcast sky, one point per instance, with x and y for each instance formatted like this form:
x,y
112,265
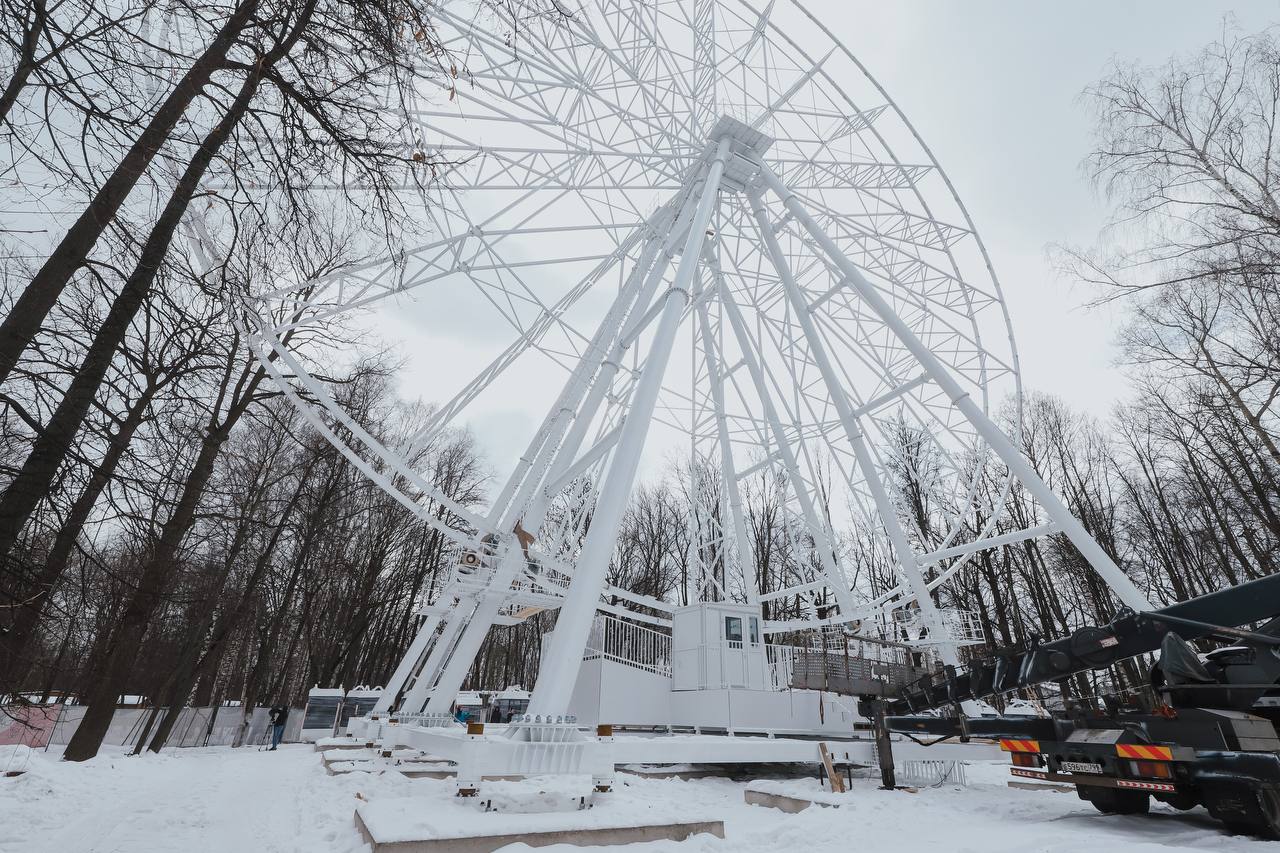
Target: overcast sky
x,y
993,88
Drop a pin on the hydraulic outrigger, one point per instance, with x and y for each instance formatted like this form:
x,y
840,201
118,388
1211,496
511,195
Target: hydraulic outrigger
x,y
1206,733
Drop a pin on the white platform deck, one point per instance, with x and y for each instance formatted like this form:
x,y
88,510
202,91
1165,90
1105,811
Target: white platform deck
x,y
454,744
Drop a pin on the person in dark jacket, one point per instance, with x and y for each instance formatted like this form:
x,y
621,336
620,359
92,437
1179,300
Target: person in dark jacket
x,y
279,715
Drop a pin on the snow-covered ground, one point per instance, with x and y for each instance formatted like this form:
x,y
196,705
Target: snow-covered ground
x,y
220,799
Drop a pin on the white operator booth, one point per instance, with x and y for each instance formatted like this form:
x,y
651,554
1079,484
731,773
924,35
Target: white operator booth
x,y
717,645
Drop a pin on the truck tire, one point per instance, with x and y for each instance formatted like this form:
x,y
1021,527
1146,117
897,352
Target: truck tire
x,y
1246,809
1269,809
1115,800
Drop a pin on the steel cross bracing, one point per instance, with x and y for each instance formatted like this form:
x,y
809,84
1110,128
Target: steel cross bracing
x,y
556,680
806,316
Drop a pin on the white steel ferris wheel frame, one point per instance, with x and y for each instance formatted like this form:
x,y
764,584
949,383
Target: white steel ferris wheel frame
x,y
813,331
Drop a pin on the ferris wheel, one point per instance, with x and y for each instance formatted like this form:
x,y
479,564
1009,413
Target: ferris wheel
x,y
697,225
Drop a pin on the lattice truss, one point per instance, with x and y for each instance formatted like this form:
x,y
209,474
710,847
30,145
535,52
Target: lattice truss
x,y
574,152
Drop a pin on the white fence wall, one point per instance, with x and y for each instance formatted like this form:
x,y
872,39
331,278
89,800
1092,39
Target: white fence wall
x,y
191,729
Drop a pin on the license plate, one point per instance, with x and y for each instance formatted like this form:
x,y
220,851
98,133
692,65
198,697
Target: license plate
x,y
1080,767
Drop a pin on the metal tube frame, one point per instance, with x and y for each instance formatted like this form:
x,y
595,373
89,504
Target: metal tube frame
x,y
902,550
564,656
985,427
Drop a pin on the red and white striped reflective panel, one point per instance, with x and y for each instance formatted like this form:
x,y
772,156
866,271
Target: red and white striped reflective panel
x,y
1010,745
1140,750
1031,774
1145,786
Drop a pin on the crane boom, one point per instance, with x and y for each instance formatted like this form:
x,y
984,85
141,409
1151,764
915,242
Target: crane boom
x,y
1094,647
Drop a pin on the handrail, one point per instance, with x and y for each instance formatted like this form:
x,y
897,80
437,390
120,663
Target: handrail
x,y
630,644
644,648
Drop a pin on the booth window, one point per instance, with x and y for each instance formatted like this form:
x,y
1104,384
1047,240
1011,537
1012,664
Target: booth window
x,y
733,629
321,712
755,631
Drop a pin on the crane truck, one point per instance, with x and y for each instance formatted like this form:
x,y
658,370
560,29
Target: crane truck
x,y
1207,732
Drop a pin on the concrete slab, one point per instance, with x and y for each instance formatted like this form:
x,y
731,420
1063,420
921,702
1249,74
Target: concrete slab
x,y
325,744
369,757
348,754
788,803
719,749
410,772
384,828
412,768
339,768
493,753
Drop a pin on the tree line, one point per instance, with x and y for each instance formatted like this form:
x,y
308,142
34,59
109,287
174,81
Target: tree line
x,y
170,526
165,160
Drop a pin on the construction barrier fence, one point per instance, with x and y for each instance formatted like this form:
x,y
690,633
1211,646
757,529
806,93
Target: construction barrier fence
x,y
42,726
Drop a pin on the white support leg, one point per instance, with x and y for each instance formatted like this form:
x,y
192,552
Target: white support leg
x,y
990,432
408,663
525,487
459,663
559,670
454,621
505,510
902,549
600,387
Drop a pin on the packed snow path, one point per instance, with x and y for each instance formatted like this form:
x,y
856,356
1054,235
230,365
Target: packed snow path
x,y
189,800
221,799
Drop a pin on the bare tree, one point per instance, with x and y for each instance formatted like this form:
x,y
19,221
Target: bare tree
x,y
284,83
30,309
170,345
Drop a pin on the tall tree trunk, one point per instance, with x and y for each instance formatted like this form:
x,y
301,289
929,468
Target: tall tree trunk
x,y
178,685
280,684
13,645
26,63
253,682
56,669
189,669
127,637
32,483
30,309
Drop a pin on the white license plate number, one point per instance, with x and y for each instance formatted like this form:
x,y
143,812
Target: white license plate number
x,y
1080,767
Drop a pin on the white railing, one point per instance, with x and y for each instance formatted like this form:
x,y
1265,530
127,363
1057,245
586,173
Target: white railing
x,y
781,661
932,774
844,656
630,644
889,650
650,650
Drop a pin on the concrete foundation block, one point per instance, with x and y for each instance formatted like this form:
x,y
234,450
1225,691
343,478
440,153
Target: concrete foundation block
x,y
326,744
782,802
598,833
